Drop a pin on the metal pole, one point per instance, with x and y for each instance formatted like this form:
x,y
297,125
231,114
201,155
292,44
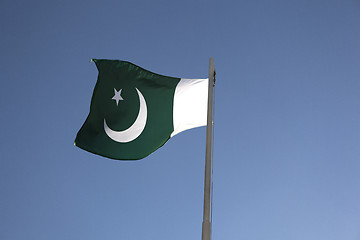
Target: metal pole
x,y
206,225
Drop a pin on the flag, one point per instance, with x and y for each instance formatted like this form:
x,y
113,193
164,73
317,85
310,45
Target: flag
x,y
134,111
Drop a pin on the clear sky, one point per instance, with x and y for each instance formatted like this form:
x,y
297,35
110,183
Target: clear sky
x,y
287,120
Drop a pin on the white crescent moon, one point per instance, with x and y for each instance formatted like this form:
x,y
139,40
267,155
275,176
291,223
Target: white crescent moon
x,y
135,129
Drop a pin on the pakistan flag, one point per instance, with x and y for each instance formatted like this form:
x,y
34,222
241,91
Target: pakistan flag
x,y
133,111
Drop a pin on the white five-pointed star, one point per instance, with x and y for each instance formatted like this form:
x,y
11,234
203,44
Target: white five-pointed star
x,y
117,96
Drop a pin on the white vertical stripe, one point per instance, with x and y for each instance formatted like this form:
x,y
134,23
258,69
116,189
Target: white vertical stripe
x,y
190,104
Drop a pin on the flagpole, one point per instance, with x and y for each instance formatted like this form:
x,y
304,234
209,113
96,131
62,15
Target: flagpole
x,y
207,220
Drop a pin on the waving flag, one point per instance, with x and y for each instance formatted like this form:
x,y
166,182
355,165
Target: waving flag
x,y
133,111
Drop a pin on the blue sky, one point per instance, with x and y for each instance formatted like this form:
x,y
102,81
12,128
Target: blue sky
x,y
287,114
